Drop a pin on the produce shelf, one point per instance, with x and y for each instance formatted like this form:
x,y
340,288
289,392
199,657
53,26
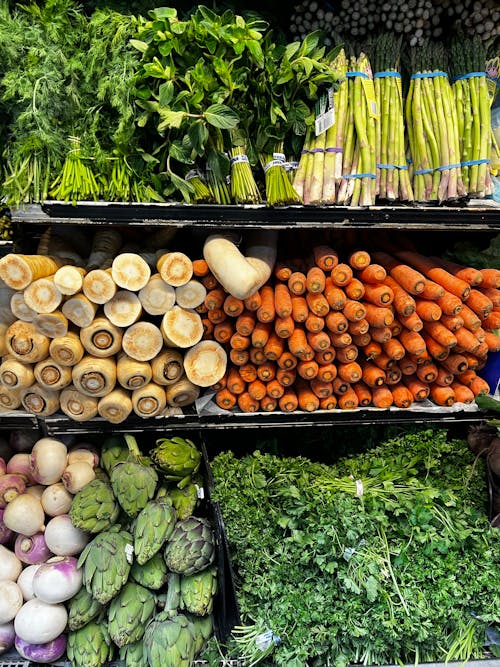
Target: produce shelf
x,y
418,218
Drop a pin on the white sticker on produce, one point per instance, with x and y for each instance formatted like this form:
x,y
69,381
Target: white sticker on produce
x,y
129,553
324,121
200,492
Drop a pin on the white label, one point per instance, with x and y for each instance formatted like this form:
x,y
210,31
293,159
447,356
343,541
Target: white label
x,y
238,158
359,488
324,121
200,492
264,640
129,553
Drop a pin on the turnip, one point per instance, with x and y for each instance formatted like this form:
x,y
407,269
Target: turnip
x,y
38,622
56,499
10,565
20,464
48,460
24,515
7,636
42,653
10,487
36,491
83,452
5,533
77,475
11,600
57,580
62,538
31,550
25,581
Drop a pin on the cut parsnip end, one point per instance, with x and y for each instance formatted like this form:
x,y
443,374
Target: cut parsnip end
x,y
175,268
190,295
142,341
20,309
123,309
99,286
52,325
18,271
42,295
156,296
69,279
79,310
205,363
130,271
181,327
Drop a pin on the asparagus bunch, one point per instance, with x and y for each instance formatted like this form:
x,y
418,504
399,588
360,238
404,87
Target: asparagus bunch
x,y
432,124
393,181
472,102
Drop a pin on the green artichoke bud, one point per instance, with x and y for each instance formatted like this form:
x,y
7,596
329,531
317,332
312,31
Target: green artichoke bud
x,y
178,458
133,481
153,574
129,612
101,474
203,629
134,655
191,547
90,646
153,526
169,641
82,608
113,451
184,500
198,590
94,507
106,563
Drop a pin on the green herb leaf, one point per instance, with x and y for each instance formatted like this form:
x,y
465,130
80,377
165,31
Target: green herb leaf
x,y
221,116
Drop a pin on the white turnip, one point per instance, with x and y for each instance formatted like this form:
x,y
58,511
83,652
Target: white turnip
x,y
25,581
10,565
11,600
77,475
7,636
57,580
38,622
49,458
62,538
24,515
56,499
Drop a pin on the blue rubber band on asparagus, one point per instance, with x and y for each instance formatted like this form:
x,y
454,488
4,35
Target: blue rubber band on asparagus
x,y
363,75
469,75
385,74
428,75
334,149
359,176
472,163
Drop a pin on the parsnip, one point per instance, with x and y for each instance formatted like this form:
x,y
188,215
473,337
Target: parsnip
x,y
190,295
93,376
181,327
167,367
175,268
181,393
25,343
156,296
105,245
101,338
51,375
130,271
40,401
18,271
116,406
69,279
66,350
205,363
76,405
132,374
142,341
149,401
20,309
10,399
42,295
99,286
52,325
123,309
79,310
15,374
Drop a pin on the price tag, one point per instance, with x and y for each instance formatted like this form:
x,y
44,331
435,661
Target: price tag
x,y
325,112
369,90
129,553
200,492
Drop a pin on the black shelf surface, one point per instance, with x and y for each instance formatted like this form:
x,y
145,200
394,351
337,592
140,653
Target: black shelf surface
x,y
418,218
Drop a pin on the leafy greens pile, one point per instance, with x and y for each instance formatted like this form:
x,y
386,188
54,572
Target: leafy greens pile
x,y
383,558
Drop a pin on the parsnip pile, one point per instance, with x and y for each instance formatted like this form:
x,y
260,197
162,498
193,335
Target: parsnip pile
x,y
374,330
107,336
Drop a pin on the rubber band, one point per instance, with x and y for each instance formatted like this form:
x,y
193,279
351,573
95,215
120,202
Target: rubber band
x,y
238,158
334,149
317,150
444,167
363,75
428,75
392,73
448,166
471,163
359,176
470,75
404,167
422,172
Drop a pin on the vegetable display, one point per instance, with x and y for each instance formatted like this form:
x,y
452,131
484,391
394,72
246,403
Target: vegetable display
x,y
384,556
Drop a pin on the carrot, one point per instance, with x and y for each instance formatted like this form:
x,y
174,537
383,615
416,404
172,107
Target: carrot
x,y
407,366
282,271
348,400
393,375
379,294
432,290
286,377
360,340
200,268
452,322
284,326
325,257
467,378
222,332
479,386
318,341
428,311
245,323
274,347
287,360
354,310
467,340
492,341
282,300
248,372
314,323
462,393
359,259
402,396
260,334
450,304
329,403
257,389
341,274
336,322
472,361
403,303
266,371
327,373
210,282
456,364
334,295
381,334
412,322
440,333
347,354
300,309
358,327
257,356
325,356
354,289
491,278
492,321
409,279
384,362
492,294
215,298
419,389
225,399
434,272
467,273
340,340
315,280
372,375
340,386
378,316
216,316
235,382
382,397
201,309
297,283
266,312
275,389
298,345
268,404
239,342
317,304
373,273
422,358
427,372
308,401
412,341
482,352
289,401
394,349
435,349
208,328
442,395
233,306
239,357
246,403
372,350
307,369
221,384
444,377
253,302
396,328
363,394
321,389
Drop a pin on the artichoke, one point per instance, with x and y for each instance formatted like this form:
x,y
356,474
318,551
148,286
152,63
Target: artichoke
x,y
94,508
128,614
184,500
106,563
170,641
82,608
198,590
133,481
191,547
113,451
90,646
152,528
178,458
134,655
171,599
203,629
153,574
